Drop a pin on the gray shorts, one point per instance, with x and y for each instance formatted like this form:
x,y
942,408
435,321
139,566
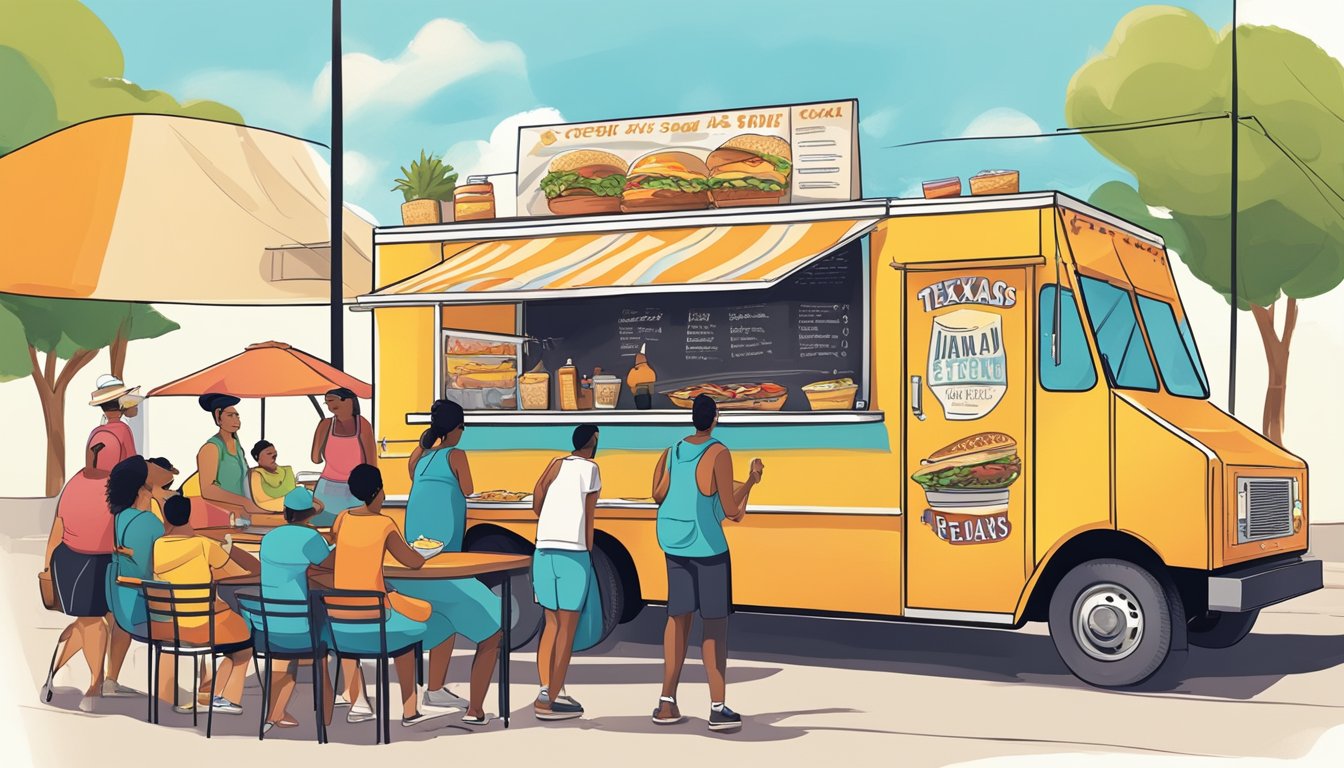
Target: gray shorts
x,y
703,584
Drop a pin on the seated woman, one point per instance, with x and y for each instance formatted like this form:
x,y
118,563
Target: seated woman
x,y
286,554
364,537
181,556
135,530
270,482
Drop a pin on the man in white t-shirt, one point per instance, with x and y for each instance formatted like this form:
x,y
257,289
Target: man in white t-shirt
x,y
562,568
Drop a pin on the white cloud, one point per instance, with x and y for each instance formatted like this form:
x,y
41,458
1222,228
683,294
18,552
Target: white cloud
x,y
359,170
1002,121
500,153
1159,212
880,123
443,52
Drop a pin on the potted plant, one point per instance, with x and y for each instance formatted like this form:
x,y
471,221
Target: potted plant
x,y
427,183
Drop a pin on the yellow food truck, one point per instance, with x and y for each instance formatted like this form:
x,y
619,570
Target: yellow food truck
x,y
982,410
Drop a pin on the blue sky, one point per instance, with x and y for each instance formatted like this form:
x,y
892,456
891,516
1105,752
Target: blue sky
x,y
444,76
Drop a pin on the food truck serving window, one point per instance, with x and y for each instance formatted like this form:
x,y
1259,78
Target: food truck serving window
x,y
796,346
1124,354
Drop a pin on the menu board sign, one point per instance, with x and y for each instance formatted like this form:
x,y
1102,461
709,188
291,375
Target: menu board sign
x,y
763,156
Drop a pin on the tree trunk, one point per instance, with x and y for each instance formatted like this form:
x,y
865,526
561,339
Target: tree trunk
x,y
117,350
1276,358
51,389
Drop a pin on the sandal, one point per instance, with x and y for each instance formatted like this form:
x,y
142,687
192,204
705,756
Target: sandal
x,y
285,722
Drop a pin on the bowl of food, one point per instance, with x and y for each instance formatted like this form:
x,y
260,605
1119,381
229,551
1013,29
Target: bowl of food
x,y
833,395
427,547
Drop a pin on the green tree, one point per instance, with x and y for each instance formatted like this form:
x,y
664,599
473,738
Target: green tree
x,y
36,334
60,65
1164,61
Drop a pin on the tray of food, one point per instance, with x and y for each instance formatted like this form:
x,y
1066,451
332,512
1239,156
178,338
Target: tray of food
x,y
765,396
500,496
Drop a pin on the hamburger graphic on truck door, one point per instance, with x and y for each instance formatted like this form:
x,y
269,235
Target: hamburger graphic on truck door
x,y
585,181
967,484
750,170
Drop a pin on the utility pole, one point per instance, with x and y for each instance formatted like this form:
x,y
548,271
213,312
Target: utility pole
x,y
1232,252
336,195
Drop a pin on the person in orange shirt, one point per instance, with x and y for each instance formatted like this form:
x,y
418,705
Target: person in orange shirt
x,y
181,556
364,537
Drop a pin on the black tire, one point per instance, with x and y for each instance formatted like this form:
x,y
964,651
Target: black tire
x,y
1217,629
612,591
1115,624
527,615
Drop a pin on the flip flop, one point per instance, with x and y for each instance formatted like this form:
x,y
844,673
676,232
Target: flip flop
x,y
286,722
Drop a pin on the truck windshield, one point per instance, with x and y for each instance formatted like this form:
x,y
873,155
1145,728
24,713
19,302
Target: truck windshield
x,y
1123,352
1174,348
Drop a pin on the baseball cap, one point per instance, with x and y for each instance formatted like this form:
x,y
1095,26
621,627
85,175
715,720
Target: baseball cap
x,y
299,499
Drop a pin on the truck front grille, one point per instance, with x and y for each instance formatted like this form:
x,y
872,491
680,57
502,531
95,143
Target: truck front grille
x,y
1264,508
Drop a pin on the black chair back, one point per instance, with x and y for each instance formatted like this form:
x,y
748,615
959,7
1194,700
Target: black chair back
x,y
337,608
260,611
167,603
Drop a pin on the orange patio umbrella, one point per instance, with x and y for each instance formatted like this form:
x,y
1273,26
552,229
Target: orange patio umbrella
x,y
268,369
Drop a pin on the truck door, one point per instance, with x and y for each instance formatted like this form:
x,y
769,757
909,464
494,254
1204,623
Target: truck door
x,y
967,463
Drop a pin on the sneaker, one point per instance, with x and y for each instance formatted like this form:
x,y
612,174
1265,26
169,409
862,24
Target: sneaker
x,y
667,712
558,710
86,703
418,718
225,707
724,719
545,695
360,712
444,698
114,688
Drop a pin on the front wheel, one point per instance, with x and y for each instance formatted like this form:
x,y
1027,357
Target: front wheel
x,y
1217,629
1113,622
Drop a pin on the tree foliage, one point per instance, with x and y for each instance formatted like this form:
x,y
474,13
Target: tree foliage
x,y
60,65
1163,62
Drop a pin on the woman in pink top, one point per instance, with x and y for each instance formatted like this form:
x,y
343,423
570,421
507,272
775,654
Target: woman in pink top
x,y
340,444
80,545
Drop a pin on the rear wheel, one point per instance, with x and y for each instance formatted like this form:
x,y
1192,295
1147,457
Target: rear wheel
x,y
612,590
1114,623
1217,629
526,614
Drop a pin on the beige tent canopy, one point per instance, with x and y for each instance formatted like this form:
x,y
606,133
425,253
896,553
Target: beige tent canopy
x,y
172,209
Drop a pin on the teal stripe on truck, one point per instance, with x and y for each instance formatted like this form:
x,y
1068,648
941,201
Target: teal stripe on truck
x,y
871,436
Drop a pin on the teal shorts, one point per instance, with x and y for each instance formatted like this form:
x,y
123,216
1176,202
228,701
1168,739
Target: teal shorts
x,y
463,607
560,578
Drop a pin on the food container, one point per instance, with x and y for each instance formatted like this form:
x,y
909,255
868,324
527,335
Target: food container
x,y
474,200
480,371
942,188
772,399
535,388
427,548
994,183
606,391
586,393
833,395
567,386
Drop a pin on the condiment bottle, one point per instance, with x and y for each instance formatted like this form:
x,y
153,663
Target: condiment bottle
x,y
640,380
474,200
586,390
567,386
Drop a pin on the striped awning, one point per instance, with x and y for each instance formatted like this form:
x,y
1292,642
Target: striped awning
x,y
733,257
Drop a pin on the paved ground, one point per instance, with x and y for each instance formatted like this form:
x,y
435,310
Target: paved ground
x,y
812,691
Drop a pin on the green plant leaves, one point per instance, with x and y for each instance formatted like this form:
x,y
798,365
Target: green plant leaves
x,y
428,178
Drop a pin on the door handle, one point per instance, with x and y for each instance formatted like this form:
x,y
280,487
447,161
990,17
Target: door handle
x,y
917,396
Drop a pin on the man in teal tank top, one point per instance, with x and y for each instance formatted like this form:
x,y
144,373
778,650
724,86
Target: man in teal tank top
x,y
693,485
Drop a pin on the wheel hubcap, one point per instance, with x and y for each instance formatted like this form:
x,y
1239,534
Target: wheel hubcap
x,y
1108,622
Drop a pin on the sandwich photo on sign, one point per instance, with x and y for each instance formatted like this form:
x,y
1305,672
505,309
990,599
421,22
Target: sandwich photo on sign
x,y
666,181
973,473
750,169
583,182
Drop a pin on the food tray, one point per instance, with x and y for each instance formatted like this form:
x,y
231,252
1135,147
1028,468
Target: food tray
x,y
773,403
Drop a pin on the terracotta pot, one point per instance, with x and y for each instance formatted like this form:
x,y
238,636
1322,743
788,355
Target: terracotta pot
x,y
420,212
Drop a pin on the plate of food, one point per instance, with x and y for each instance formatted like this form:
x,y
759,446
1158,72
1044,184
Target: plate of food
x,y
766,396
426,547
501,496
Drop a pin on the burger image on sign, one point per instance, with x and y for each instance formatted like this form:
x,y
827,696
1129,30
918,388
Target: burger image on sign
x,y
666,181
750,170
584,181
972,473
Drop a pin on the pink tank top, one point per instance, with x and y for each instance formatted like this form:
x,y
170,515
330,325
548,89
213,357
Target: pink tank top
x,y
86,520
342,454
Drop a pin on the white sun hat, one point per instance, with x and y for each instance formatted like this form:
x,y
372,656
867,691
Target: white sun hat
x,y
110,389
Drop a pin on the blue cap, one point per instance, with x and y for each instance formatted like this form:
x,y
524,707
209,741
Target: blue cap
x,y
299,499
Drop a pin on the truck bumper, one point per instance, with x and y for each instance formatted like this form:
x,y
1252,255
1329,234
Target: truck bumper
x,y
1257,586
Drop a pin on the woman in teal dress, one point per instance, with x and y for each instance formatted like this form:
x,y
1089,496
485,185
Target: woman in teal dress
x,y
221,467
437,509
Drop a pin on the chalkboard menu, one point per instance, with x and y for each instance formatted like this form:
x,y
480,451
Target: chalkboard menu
x,y
808,328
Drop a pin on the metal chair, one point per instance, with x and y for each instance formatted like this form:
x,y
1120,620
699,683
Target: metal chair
x,y
260,611
167,604
341,611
